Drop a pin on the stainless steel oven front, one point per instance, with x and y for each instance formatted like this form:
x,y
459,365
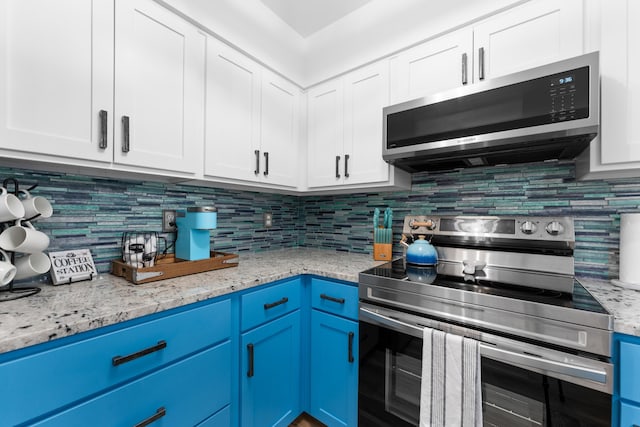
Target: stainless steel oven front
x,y
523,384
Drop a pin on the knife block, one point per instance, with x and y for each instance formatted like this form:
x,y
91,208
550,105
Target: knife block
x,y
382,251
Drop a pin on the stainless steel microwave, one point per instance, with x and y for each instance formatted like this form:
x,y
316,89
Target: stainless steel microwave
x,y
548,112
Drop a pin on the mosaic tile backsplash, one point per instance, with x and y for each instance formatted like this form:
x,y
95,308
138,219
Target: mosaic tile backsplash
x,y
94,212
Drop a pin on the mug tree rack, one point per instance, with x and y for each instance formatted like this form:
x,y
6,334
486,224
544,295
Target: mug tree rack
x,y
10,291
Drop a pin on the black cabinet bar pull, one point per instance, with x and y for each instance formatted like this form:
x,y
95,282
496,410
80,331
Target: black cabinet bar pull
x,y
330,298
337,166
464,69
161,412
257,169
119,360
346,166
275,304
250,350
102,143
266,163
481,63
351,336
125,134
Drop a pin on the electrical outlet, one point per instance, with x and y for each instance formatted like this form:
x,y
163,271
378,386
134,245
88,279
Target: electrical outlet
x,y
267,219
168,221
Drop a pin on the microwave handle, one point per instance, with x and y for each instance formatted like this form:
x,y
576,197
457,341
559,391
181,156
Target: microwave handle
x,y
492,352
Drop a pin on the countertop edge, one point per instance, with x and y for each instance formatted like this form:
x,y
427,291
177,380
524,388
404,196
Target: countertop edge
x,y
67,310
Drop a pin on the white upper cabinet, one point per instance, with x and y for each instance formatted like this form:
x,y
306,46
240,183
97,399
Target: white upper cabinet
x,y
366,92
232,124
56,75
435,66
325,137
279,131
345,132
533,34
159,79
252,119
616,34
65,103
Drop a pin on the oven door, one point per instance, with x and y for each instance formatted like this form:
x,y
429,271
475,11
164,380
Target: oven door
x,y
522,384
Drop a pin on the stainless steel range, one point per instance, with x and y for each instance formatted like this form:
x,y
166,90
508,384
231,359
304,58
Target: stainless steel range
x,y
507,282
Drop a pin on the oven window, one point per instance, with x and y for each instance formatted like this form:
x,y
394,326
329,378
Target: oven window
x,y
516,397
390,378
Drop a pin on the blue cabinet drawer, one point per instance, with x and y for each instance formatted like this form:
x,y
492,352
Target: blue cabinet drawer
x,y
221,419
630,366
45,381
629,415
188,391
270,303
335,298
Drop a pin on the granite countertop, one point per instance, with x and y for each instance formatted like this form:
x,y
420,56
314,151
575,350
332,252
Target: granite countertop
x,y
622,303
59,311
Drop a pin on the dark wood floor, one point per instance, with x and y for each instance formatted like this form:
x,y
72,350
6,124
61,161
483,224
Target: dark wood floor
x,y
306,420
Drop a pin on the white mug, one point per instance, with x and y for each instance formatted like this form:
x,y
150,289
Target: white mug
x,y
133,251
7,270
23,238
10,207
32,265
36,205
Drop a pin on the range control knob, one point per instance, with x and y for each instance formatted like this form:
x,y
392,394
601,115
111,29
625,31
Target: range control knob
x,y
528,227
555,228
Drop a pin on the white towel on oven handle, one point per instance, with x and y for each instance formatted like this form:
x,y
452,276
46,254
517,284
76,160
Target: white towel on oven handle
x,y
451,392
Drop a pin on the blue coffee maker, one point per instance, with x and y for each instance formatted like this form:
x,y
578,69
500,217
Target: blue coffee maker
x,y
193,224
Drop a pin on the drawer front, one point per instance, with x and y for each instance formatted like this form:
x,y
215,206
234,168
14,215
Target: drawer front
x,y
267,304
188,391
629,415
63,375
629,371
221,419
335,298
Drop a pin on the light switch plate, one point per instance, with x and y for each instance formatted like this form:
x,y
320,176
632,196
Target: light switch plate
x,y
267,219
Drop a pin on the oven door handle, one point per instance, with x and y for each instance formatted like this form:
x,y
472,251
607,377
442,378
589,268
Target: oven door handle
x,y
512,358
539,362
396,325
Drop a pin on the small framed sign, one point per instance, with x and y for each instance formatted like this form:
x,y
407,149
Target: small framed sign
x,y
72,266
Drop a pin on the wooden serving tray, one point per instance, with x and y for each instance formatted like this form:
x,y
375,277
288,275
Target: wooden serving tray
x,y
169,267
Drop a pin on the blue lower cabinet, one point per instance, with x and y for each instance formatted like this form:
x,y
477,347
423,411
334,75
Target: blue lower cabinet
x,y
220,419
47,379
626,355
270,373
183,394
629,415
334,369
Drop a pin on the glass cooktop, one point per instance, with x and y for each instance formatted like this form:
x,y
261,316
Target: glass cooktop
x,y
581,299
